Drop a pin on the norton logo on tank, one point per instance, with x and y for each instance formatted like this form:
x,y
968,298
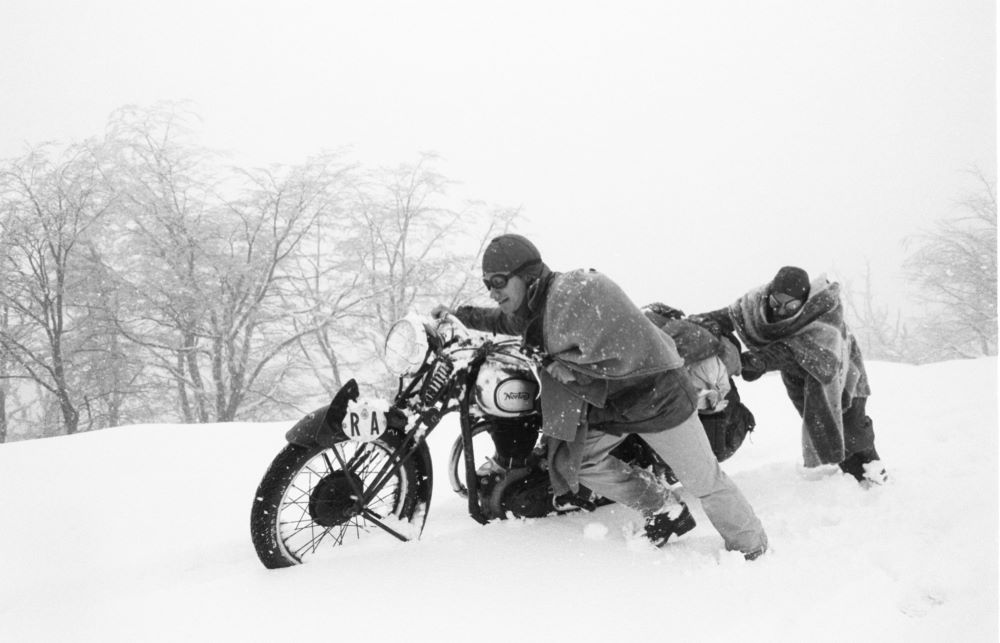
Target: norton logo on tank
x,y
365,420
515,396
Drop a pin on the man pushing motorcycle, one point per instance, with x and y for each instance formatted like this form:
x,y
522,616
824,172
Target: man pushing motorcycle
x,y
609,372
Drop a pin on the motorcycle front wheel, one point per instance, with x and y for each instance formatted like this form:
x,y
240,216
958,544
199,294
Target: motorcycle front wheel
x,y
307,503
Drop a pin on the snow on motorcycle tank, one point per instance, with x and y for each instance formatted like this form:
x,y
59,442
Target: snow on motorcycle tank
x,y
505,386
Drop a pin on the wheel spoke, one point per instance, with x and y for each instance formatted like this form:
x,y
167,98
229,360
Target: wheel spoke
x,y
339,539
303,494
329,465
312,543
300,529
369,515
385,497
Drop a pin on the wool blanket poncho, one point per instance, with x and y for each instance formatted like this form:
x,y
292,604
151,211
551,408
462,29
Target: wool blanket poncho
x,y
820,363
593,328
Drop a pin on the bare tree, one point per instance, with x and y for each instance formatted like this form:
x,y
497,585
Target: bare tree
x,y
251,327
395,245
110,368
167,233
4,373
881,335
52,206
401,224
328,294
954,271
215,277
412,248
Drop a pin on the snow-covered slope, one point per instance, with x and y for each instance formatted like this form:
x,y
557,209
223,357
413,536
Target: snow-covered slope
x,y
141,533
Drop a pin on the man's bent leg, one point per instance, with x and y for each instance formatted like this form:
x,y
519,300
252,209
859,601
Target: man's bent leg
x,y
859,436
862,461
685,448
608,476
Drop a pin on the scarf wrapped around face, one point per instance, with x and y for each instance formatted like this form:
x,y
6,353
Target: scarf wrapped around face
x,y
818,342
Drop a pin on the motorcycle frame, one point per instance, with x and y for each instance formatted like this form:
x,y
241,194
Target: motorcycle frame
x,y
323,428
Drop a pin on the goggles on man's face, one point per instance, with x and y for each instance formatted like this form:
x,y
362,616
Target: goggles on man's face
x,y
500,279
497,281
786,306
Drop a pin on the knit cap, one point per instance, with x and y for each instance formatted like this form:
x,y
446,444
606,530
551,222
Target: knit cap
x,y
512,253
791,281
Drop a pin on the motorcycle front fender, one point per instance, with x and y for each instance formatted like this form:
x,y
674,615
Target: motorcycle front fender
x,y
425,476
322,427
312,431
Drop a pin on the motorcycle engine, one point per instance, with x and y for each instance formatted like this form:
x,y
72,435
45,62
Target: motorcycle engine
x,y
524,492
517,482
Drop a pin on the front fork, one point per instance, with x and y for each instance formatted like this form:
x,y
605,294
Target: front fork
x,y
464,405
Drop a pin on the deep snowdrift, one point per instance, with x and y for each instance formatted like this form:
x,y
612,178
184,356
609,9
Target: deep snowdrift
x,y
141,534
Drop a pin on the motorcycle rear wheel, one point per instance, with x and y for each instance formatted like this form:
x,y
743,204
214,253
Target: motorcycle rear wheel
x,y
305,504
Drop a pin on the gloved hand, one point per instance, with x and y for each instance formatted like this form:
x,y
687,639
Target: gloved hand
x,y
752,366
777,354
663,310
395,418
441,311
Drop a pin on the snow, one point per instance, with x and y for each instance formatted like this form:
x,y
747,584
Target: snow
x,y
141,533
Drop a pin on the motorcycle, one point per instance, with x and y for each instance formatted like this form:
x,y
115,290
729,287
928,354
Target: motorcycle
x,y
360,469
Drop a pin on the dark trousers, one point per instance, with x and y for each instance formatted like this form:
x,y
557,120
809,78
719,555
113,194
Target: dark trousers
x,y
859,435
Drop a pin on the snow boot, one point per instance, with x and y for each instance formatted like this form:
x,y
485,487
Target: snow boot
x,y
672,518
570,501
866,467
874,473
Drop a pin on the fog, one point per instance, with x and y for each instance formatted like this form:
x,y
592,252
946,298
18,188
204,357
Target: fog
x,y
686,149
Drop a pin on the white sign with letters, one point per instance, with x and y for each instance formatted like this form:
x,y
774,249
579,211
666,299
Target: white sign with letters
x,y
365,420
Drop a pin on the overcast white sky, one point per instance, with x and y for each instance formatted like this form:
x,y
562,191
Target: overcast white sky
x,y
688,149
